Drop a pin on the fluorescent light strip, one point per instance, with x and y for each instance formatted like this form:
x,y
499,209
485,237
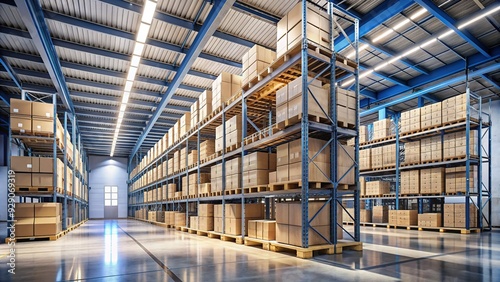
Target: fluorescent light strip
x,y
399,25
360,48
142,35
478,18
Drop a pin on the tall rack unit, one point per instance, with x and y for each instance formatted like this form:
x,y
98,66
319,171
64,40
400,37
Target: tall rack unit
x,y
55,145
257,105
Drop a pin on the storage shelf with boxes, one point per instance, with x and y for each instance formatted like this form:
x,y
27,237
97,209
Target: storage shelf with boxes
x,y
50,165
439,163
248,143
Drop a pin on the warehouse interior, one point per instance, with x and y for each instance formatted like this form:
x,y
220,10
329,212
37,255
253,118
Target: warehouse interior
x,y
229,140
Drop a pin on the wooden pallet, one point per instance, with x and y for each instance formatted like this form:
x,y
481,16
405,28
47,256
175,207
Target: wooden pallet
x,y
462,157
233,191
410,164
202,233
296,119
431,161
233,147
255,189
388,195
225,237
309,252
37,238
204,195
216,193
387,138
264,244
36,189
383,168
344,124
296,184
460,120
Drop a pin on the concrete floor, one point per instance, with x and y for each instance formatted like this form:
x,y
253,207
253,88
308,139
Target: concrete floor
x,y
129,250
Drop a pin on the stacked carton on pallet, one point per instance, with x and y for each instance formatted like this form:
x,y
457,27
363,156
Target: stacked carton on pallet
x,y
410,182
233,216
256,167
365,159
289,223
223,88
377,188
430,220
412,153
432,180
233,175
254,61
262,229
38,172
456,179
454,215
431,149
380,214
382,129
410,121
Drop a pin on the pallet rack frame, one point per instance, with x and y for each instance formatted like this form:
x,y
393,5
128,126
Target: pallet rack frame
x,y
81,176
302,129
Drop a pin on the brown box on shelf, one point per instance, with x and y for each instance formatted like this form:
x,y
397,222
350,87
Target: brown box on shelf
x,y
282,155
180,219
295,213
48,209
21,107
282,210
24,210
380,214
43,180
315,109
282,232
393,217
317,171
282,96
25,226
24,164
255,177
407,217
252,228
20,124
47,226
205,223
169,217
42,110
272,177
266,229
430,220
42,126
315,145
206,210
193,222
282,173
295,235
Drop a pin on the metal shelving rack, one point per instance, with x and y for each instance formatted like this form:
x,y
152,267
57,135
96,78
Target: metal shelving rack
x,y
48,146
481,123
251,103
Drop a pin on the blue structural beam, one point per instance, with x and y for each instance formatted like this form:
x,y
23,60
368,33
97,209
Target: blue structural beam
x,y
491,81
179,22
11,72
452,24
438,86
252,11
5,97
213,20
437,74
390,53
95,51
374,18
39,32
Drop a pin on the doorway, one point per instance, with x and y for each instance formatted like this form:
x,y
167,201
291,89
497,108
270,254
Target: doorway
x,y
110,202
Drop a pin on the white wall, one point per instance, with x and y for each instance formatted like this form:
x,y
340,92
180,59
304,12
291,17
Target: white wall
x,y
107,171
495,161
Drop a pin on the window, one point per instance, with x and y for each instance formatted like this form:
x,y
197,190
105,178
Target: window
x,y
110,196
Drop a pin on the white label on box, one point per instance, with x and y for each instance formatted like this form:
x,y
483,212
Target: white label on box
x,y
22,131
39,127
16,110
19,125
47,114
29,166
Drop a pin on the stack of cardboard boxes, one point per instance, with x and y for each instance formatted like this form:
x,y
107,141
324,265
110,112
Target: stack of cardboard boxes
x,y
233,175
205,219
377,157
455,109
430,116
365,159
412,153
156,216
207,148
456,179
377,188
180,219
232,219
380,214
431,149
410,182
39,172
193,182
289,33
169,217
262,229
171,189
289,223
38,219
233,131
389,155
216,177
223,87
36,118
410,121
455,145
254,61
454,215
205,105
430,220
194,113
184,124
432,180
382,129
363,134
256,167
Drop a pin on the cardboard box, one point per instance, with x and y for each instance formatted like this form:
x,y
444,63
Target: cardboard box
x,y
25,226
47,226
266,229
295,235
24,164
282,232
20,124
295,213
48,209
206,210
282,155
317,171
380,214
252,228
23,180
272,177
42,180
21,107
282,210
315,145
180,219
206,223
24,210
42,110
282,173
255,177
42,126
282,95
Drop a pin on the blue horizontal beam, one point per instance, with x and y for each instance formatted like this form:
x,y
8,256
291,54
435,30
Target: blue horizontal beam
x,y
372,19
452,24
91,50
91,106
11,72
39,32
255,12
437,74
430,89
390,53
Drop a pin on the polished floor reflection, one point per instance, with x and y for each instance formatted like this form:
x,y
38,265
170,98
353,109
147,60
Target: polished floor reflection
x,y
129,250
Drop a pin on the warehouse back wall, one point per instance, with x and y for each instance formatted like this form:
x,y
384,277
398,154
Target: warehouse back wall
x,y
107,171
495,164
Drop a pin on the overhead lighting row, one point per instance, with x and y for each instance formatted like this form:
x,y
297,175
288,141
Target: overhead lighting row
x,y
140,41
415,49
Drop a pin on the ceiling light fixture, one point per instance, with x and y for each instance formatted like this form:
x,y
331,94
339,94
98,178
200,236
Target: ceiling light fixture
x,y
142,35
469,22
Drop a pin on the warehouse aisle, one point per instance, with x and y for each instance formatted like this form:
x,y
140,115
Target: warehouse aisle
x,y
129,250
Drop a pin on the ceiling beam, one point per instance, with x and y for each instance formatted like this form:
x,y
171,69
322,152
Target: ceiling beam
x,y
452,24
35,23
213,20
255,12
